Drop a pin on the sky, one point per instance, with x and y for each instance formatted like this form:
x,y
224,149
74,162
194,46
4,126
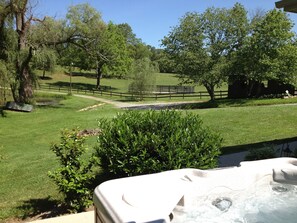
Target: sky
x,y
150,20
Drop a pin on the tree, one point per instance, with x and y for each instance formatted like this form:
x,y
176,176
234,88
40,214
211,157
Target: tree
x,y
137,49
21,35
3,82
127,32
202,44
113,46
45,59
104,45
143,78
16,14
269,53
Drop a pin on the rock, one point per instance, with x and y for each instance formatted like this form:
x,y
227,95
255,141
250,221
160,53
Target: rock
x,y
18,107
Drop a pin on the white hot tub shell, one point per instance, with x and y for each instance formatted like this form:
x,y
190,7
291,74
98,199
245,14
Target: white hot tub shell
x,y
153,197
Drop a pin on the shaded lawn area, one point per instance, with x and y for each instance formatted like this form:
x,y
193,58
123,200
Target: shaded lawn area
x,y
25,140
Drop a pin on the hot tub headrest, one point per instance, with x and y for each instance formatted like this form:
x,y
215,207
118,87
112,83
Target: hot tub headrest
x,y
285,175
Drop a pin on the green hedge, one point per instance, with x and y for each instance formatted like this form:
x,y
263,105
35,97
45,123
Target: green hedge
x,y
135,143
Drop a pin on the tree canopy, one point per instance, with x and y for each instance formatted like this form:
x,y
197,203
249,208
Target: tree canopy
x,y
269,53
201,44
224,45
210,48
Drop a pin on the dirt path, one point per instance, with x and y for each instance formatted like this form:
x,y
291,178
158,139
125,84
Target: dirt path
x,y
128,105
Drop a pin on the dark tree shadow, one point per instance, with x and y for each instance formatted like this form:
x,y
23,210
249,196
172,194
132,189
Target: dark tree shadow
x,y
42,207
258,145
45,77
82,74
225,102
80,86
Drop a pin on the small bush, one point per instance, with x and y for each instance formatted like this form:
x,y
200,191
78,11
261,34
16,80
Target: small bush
x,y
74,177
136,143
2,113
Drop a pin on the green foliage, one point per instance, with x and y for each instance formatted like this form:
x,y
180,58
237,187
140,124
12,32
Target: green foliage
x,y
98,45
269,53
136,143
202,43
75,175
260,154
113,47
143,79
45,59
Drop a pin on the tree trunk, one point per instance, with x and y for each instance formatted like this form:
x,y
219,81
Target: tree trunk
x,y
210,90
25,89
99,75
26,86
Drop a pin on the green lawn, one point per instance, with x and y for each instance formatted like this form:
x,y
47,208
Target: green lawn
x,y
25,140
248,125
120,85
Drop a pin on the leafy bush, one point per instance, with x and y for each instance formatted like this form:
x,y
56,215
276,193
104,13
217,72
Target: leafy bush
x,y
2,113
136,143
74,177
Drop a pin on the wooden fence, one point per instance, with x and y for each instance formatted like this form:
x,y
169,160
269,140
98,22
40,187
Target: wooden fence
x,y
110,93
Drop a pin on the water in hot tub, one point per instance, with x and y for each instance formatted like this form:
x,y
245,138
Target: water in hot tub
x,y
273,203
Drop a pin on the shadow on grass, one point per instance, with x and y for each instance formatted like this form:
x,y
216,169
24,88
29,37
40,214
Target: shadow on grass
x,y
42,208
218,103
225,103
63,84
45,77
80,86
82,74
246,147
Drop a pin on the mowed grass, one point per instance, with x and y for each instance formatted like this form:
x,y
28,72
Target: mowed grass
x,y
249,125
61,78
25,140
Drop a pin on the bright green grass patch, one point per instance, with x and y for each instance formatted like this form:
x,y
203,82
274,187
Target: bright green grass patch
x,y
87,80
247,125
25,140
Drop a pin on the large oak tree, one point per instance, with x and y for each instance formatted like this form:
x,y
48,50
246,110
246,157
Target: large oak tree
x,y
201,44
268,53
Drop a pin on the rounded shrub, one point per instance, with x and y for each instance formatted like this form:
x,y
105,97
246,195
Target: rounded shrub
x,y
137,142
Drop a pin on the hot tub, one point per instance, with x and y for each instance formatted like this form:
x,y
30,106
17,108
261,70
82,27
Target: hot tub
x,y
258,191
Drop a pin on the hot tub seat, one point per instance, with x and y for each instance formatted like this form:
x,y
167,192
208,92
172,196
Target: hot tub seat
x,y
153,197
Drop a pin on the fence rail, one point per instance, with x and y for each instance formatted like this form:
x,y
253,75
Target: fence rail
x,y
110,93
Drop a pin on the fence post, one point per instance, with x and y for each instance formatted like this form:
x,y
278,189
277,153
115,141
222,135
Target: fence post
x,y
200,94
